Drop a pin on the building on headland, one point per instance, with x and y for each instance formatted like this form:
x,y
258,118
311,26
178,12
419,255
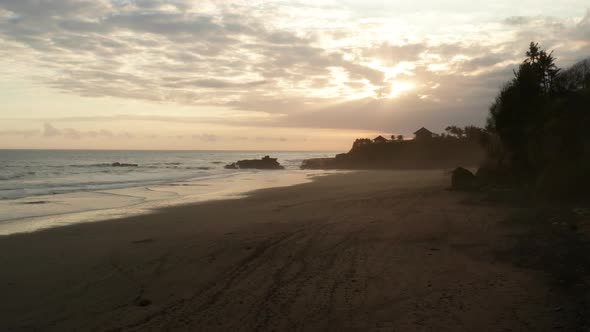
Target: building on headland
x,y
423,134
380,139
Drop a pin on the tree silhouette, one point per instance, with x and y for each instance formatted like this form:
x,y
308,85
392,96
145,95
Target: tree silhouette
x,y
519,107
455,131
575,78
543,64
473,133
359,142
537,128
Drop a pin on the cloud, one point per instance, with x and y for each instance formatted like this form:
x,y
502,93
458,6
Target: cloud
x,y
583,28
518,20
270,139
104,55
216,83
50,131
302,64
21,133
395,53
105,133
206,137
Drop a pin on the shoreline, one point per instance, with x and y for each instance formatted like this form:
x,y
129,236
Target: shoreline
x,y
372,250
35,213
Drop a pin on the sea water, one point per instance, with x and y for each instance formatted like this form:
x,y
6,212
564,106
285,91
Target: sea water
x,y
48,188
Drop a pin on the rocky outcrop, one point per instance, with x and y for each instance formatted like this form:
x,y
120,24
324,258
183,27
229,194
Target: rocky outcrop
x,y
264,163
462,179
436,153
319,163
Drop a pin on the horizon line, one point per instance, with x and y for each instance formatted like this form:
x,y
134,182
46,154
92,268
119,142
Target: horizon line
x,y
159,150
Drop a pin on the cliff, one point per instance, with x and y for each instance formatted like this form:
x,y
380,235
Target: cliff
x,y
411,154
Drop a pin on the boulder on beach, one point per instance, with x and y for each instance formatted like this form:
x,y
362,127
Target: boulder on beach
x,y
462,179
264,163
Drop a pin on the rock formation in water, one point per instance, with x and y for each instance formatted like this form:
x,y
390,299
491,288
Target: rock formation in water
x,y
264,163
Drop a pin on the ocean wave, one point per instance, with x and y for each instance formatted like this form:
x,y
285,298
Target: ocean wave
x,y
27,189
202,168
164,164
15,176
294,161
115,164
73,171
90,165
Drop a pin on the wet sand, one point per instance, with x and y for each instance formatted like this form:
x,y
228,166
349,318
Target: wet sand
x,y
365,251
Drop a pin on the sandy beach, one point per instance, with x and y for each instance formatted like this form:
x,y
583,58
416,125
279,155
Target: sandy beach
x,y
364,251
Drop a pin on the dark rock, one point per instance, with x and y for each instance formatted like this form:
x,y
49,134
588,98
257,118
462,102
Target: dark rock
x,y
462,179
485,172
318,163
118,164
563,179
143,302
231,166
264,163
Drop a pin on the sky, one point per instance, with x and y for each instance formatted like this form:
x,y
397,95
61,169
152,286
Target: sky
x,y
262,75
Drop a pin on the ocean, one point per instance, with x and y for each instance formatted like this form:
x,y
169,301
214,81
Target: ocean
x,y
46,188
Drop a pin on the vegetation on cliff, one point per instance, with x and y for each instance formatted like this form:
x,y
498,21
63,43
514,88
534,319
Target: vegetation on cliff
x,y
428,150
538,127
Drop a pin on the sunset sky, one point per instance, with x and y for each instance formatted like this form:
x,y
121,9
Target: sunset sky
x,y
262,75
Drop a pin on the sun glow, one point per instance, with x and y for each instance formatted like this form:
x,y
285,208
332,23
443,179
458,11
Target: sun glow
x,y
400,88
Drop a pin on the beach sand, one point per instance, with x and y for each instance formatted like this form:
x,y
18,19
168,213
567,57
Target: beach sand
x,y
364,251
